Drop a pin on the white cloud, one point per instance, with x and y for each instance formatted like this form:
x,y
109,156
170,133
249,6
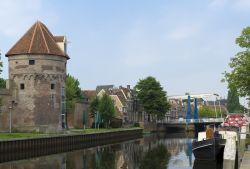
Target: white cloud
x,y
183,32
242,4
16,16
234,4
218,3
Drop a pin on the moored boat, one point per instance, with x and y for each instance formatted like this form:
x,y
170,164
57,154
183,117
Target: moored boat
x,y
202,164
209,149
210,146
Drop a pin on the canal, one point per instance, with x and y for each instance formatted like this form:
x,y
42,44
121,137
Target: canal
x,y
153,151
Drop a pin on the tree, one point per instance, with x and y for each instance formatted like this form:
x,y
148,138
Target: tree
x,y
106,108
209,112
93,108
1,64
152,97
233,103
73,92
2,81
238,78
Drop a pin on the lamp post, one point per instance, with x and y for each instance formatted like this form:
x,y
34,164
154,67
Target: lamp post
x,y
10,119
220,109
215,109
10,116
216,95
11,107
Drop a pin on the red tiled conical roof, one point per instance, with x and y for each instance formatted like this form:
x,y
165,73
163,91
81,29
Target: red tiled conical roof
x,y
37,40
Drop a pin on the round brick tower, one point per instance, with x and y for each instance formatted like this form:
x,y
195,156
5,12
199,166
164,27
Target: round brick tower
x,y
37,71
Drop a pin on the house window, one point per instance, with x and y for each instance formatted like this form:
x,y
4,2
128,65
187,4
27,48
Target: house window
x,y
31,62
22,86
52,86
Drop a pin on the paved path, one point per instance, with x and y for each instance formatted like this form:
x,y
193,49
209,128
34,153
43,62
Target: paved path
x,y
245,164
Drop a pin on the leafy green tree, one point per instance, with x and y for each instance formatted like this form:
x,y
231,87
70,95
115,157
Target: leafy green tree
x,y
209,112
106,108
2,81
233,103
1,64
73,92
238,78
93,108
152,97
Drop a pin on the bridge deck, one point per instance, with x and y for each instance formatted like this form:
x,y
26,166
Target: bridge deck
x,y
195,121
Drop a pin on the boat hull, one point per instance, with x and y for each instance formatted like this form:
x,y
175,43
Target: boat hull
x,y
202,164
210,149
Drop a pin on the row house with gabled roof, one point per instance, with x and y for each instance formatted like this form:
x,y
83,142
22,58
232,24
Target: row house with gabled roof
x,y
125,100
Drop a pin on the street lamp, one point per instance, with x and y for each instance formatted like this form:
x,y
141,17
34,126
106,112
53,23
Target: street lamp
x,y
220,109
215,109
216,95
10,119
10,116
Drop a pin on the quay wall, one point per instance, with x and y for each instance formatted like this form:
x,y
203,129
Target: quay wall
x,y
27,148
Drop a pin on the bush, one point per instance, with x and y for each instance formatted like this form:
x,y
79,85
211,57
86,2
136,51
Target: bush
x,y
116,123
209,112
136,125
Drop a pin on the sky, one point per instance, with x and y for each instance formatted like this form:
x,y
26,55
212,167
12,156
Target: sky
x,y
186,45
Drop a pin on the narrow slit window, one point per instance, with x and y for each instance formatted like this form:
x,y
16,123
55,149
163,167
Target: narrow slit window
x,y
31,62
52,86
22,86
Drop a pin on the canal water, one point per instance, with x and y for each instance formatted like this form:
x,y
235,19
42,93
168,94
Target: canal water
x,y
153,151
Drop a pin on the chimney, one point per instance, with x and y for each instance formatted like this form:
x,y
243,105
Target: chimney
x,y
128,87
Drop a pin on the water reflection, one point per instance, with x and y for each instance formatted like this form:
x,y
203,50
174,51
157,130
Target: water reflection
x,y
157,157
156,151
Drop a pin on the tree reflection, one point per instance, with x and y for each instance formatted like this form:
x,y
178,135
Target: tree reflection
x,y
105,159
156,158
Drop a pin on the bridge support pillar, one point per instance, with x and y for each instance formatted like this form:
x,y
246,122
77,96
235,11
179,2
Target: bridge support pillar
x,y
190,127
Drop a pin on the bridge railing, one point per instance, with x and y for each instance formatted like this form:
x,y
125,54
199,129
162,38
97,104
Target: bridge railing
x,y
203,120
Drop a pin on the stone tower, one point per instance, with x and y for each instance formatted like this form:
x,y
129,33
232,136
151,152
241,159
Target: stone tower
x,y
37,71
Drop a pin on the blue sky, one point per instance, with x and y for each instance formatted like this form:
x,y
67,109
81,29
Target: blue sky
x,y
185,44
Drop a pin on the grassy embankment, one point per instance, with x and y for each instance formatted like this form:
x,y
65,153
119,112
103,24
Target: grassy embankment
x,y
101,130
9,136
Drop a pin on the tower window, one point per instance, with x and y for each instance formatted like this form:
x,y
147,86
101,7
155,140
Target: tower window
x,y
52,86
31,62
22,86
